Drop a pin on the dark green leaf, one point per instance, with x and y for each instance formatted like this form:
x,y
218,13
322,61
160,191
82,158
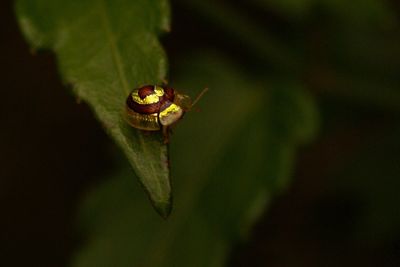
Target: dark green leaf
x,y
104,49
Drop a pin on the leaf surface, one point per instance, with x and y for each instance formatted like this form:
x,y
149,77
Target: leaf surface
x,y
105,49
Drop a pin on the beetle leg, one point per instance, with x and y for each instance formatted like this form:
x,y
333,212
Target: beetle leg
x,y
165,130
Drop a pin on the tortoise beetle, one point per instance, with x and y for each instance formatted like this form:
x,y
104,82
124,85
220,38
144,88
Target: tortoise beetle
x,y
155,108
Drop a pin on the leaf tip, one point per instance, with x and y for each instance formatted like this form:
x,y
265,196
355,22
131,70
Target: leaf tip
x,y
163,208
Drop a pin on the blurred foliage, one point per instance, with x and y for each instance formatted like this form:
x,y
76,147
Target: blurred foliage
x,y
372,176
277,72
369,12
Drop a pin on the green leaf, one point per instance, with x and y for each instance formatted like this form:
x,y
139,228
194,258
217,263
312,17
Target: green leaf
x,y
239,154
104,49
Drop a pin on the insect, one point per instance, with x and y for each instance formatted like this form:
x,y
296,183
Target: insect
x,y
155,108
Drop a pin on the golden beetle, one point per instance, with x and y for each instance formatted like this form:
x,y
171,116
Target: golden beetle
x,y
155,108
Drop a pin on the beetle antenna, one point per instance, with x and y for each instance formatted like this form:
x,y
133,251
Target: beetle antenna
x,y
199,96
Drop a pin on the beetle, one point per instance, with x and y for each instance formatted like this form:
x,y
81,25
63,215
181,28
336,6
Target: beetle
x,y
156,108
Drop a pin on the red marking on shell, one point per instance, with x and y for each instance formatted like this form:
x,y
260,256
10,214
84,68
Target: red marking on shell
x,y
143,108
169,93
165,100
145,91
165,105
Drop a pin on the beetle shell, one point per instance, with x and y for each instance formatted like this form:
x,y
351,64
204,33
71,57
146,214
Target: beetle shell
x,y
152,107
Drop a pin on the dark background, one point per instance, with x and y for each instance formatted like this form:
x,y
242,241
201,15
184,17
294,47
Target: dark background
x,y
52,151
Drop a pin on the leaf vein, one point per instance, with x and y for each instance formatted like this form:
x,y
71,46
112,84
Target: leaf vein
x,y
113,47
